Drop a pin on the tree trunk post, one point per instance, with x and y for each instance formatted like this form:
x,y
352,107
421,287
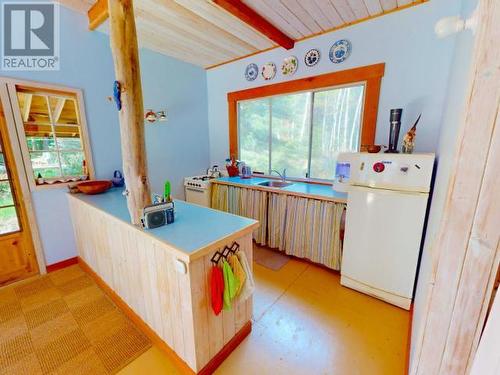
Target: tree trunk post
x,y
123,40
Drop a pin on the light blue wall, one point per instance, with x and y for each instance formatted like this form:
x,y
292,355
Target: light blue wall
x,y
417,66
175,149
179,147
450,129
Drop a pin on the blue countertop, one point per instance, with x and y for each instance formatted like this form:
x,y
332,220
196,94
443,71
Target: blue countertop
x,y
195,227
316,191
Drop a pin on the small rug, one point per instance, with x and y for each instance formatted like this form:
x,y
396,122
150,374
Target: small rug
x,y
272,259
62,323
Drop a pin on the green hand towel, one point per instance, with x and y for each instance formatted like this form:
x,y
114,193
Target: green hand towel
x,y
231,285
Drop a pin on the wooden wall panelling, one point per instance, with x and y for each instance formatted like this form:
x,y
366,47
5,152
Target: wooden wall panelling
x,y
161,42
344,10
374,7
314,8
225,20
329,11
388,5
221,328
202,307
491,290
359,9
175,17
468,237
179,37
153,302
312,23
91,229
479,264
248,15
402,3
216,339
487,360
228,325
280,16
175,306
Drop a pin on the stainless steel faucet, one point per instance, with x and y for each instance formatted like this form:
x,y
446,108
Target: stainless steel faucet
x,y
282,174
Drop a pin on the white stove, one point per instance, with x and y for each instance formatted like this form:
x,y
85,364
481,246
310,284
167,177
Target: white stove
x,y
198,189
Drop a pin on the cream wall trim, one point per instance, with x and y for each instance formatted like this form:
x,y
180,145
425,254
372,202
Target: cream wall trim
x,y
23,180
18,122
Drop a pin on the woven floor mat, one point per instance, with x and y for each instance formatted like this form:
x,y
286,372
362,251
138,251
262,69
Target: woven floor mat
x,y
64,324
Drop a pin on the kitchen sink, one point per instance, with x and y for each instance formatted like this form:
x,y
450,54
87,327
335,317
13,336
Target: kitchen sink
x,y
276,184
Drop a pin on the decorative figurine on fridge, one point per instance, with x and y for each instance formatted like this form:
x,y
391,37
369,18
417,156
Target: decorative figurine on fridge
x,y
409,138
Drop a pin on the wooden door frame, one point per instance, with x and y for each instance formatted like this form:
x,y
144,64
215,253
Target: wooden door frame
x,y
467,244
17,163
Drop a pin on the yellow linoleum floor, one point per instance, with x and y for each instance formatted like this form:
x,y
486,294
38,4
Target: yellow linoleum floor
x,y
305,322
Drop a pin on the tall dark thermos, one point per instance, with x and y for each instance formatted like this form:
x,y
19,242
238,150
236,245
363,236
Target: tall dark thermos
x,y
395,125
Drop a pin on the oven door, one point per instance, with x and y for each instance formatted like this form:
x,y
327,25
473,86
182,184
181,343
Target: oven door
x,y
197,196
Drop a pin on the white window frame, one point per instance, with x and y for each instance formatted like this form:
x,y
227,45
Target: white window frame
x,y
84,134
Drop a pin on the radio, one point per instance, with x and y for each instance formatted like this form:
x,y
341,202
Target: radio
x,y
155,215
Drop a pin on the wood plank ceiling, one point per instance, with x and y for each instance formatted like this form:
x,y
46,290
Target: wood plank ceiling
x,y
202,33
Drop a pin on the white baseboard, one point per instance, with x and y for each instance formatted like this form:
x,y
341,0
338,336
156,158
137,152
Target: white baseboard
x,y
393,299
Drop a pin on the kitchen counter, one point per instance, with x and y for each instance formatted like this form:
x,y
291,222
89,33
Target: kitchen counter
x,y
303,189
195,231
163,274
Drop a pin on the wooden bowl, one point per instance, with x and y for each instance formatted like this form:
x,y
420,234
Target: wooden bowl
x,y
94,187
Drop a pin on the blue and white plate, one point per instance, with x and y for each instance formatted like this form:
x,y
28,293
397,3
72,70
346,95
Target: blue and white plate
x,y
251,72
312,57
340,51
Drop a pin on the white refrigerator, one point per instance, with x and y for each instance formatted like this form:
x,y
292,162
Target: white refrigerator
x,y
386,206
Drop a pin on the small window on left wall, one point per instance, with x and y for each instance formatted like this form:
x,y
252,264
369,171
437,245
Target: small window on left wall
x,y
53,135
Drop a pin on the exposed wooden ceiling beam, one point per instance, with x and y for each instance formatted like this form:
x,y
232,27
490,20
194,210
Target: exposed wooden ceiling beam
x,y
27,106
255,20
98,13
58,109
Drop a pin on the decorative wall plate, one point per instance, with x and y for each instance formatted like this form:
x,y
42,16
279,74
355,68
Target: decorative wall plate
x,y
269,71
289,66
340,51
251,72
312,57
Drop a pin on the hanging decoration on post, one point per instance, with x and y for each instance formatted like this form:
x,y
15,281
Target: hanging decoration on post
x,y
117,95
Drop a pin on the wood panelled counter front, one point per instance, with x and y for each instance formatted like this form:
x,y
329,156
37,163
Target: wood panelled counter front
x,y
170,294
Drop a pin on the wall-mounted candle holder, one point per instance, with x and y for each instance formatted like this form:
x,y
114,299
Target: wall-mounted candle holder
x,y
152,116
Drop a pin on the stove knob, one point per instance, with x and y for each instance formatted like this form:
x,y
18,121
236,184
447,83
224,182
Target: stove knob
x,y
378,167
